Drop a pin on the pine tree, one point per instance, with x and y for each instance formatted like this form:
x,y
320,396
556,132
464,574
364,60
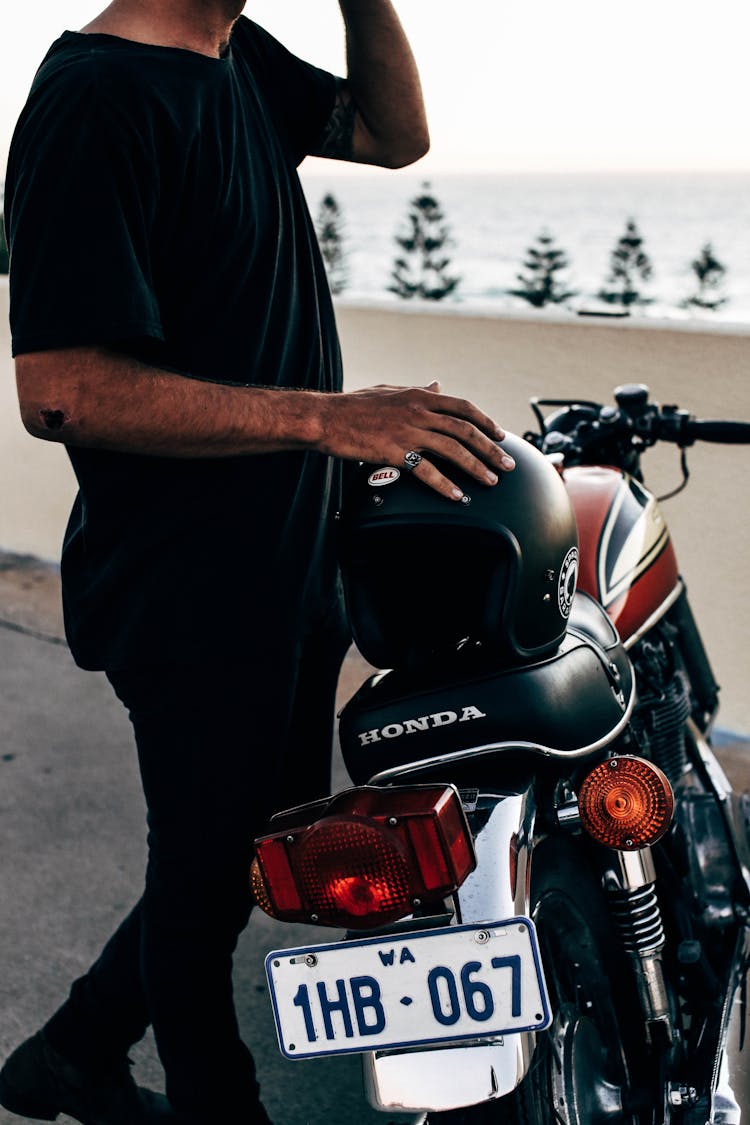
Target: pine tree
x,y
627,262
710,274
541,285
331,239
3,248
421,270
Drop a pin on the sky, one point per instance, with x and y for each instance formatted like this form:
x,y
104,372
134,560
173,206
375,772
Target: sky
x,y
542,86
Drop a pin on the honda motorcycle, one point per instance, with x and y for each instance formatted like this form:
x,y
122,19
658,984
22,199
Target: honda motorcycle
x,y
542,870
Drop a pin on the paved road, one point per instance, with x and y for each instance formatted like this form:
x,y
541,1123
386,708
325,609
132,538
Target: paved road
x,y
71,841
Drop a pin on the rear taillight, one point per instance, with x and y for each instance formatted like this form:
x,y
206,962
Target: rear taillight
x,y
367,857
626,803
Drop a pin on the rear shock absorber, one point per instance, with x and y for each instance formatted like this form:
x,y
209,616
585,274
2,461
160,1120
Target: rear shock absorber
x,y
630,885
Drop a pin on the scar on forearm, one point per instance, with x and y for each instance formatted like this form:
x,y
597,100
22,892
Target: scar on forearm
x,y
338,138
53,419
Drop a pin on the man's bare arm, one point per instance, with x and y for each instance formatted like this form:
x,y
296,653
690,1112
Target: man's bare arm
x,y
95,398
379,115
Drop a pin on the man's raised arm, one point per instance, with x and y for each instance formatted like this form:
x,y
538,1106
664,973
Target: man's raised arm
x,y
379,115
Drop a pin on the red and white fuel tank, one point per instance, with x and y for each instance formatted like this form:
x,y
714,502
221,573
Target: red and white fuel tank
x,y
627,561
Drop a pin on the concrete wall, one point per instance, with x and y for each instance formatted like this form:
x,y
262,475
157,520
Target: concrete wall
x,y
36,482
500,363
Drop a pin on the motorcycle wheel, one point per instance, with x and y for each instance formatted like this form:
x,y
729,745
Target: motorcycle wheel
x,y
579,1074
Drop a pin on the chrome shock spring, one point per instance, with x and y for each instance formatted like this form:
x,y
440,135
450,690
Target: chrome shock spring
x,y
637,916
630,884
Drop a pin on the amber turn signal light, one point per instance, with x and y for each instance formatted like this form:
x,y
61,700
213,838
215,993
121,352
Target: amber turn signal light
x,y
626,803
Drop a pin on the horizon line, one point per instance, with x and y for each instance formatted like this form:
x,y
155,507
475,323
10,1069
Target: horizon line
x,y
317,168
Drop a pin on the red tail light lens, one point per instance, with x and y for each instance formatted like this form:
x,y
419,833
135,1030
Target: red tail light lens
x,y
369,859
626,803
354,866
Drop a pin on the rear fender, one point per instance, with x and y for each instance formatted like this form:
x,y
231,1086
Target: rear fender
x,y
450,1077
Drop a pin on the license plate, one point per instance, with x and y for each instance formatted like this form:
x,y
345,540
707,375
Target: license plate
x,y
428,986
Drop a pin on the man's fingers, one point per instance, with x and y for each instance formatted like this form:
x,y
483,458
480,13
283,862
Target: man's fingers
x,y
481,465
462,408
433,478
467,435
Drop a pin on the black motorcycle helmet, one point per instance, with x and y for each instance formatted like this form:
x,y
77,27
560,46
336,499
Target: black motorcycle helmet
x,y
423,573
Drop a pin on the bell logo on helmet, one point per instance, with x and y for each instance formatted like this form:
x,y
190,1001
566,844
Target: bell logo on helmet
x,y
424,722
566,583
386,475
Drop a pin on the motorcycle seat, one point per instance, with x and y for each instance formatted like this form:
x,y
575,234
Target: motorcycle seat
x,y
575,701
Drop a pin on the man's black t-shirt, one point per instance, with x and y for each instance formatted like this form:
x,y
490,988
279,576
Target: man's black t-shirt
x,y
153,206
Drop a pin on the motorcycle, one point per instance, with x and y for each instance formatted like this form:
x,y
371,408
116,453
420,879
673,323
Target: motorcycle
x,y
543,872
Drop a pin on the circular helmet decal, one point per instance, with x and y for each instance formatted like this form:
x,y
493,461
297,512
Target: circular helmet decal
x,y
386,475
566,583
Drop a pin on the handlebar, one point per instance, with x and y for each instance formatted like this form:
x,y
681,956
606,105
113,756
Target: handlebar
x,y
716,429
584,432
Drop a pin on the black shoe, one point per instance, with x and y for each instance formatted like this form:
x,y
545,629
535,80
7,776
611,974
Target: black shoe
x,y
38,1082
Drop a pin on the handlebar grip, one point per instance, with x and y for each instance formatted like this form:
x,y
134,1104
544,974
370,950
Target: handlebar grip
x,y
715,429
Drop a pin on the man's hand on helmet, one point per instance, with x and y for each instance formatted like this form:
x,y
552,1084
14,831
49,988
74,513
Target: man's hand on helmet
x,y
402,426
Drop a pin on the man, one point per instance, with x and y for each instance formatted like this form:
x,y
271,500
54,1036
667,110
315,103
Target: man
x,y
172,326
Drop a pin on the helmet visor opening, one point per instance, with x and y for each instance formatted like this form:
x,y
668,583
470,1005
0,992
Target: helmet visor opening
x,y
419,590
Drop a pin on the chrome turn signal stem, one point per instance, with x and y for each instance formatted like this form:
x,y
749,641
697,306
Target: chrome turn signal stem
x,y
568,815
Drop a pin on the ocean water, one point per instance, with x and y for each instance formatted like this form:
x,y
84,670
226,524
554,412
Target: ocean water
x,y
494,218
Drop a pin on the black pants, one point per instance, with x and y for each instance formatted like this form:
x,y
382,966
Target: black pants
x,y
220,748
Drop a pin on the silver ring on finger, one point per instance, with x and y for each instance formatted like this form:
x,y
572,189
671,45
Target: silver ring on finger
x,y
411,460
